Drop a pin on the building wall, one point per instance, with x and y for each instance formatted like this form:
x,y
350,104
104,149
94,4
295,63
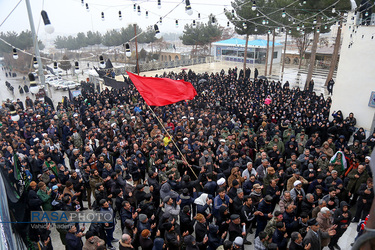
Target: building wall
x,y
167,57
219,56
356,74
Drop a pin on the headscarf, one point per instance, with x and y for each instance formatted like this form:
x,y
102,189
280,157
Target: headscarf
x,y
202,200
268,100
343,160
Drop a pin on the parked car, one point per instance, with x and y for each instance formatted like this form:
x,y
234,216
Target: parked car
x,y
53,80
58,84
65,85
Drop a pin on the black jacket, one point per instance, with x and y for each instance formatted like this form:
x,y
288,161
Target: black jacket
x,y
200,231
187,224
34,201
235,230
295,246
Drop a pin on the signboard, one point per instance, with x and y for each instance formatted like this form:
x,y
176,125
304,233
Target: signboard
x,y
76,93
371,103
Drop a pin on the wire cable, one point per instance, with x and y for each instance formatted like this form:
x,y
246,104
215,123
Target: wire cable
x,y
10,13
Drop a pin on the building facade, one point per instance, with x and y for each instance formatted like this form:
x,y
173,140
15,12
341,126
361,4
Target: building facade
x,y
354,90
233,50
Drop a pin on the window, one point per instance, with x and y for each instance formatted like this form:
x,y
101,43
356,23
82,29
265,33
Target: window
x,y
229,53
274,55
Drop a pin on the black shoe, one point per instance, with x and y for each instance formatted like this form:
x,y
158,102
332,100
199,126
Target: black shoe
x,y
331,248
247,242
337,246
114,240
251,231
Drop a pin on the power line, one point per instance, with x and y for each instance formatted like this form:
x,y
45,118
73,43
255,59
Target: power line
x,y
10,12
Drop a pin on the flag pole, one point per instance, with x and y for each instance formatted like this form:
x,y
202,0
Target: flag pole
x,y
183,157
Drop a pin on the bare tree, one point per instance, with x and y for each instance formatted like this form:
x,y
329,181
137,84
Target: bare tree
x,y
303,42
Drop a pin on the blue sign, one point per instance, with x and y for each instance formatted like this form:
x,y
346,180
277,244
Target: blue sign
x,y
372,100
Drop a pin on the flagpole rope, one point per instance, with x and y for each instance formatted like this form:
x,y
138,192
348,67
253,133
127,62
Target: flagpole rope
x,y
172,140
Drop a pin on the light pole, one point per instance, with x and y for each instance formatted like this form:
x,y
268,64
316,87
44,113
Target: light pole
x,y
136,48
36,48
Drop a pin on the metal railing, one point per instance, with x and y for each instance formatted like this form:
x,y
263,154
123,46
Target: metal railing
x,y
157,65
371,19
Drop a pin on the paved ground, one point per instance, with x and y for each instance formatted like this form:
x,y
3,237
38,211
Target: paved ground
x,y
344,241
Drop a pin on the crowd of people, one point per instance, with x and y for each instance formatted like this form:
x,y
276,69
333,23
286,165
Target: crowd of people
x,y
243,157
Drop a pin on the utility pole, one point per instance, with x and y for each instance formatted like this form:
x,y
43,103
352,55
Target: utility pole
x,y
136,48
273,49
36,48
245,53
268,47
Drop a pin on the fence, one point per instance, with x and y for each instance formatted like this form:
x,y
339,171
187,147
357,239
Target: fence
x,y
164,65
370,19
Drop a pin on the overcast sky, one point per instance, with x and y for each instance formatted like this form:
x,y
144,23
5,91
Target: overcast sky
x,y
70,17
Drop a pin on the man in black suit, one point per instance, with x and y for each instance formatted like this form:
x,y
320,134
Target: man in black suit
x,y
296,243
314,236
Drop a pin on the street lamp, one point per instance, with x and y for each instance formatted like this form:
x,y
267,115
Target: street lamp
x,y
34,88
13,113
36,47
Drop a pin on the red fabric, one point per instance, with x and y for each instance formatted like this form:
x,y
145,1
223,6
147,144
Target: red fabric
x,y
162,91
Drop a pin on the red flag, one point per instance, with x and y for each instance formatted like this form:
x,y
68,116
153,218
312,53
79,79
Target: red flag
x,y
162,91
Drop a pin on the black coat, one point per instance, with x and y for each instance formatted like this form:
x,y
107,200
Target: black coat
x,y
294,246
307,207
34,201
236,205
187,224
200,231
235,230
73,242
279,239
146,243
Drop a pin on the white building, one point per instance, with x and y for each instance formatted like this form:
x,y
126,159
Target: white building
x,y
354,90
233,50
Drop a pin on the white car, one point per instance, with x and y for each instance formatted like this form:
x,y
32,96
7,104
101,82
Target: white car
x,y
65,85
53,80
57,84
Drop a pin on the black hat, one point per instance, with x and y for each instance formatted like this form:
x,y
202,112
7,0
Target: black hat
x,y
89,234
234,216
312,222
140,186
